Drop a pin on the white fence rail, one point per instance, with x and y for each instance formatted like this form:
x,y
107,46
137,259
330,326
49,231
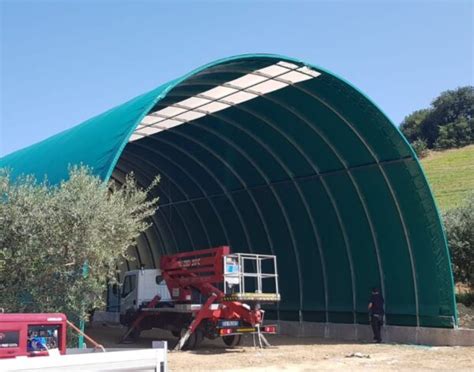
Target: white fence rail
x,y
130,360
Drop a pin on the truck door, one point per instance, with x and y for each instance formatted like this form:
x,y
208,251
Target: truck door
x,y
129,293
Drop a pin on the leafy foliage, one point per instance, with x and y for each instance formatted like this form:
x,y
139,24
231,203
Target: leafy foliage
x,y
448,123
459,224
61,244
420,148
411,125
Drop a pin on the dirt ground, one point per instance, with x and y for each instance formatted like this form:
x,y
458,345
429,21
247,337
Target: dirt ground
x,y
299,354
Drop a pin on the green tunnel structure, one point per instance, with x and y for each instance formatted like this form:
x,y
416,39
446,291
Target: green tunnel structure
x,y
268,154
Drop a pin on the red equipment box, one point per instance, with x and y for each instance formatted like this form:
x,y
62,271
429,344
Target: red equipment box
x,y
32,334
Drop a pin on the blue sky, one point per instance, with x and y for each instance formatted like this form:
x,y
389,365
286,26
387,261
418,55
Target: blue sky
x,y
65,61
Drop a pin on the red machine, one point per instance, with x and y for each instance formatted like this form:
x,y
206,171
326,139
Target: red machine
x,y
213,294
32,334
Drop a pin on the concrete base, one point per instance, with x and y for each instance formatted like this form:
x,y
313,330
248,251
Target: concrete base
x,y
390,334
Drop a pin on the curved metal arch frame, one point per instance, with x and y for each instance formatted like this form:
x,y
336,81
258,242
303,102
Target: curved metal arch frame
x,y
219,158
154,150
343,162
377,161
273,125
211,174
275,195
142,173
392,192
270,185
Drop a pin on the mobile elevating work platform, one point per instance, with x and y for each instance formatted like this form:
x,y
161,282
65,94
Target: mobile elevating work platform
x,y
201,294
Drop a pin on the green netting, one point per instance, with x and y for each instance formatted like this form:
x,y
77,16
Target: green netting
x,y
314,173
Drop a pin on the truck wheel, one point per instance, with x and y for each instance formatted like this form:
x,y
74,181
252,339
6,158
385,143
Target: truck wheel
x,y
199,337
194,339
232,341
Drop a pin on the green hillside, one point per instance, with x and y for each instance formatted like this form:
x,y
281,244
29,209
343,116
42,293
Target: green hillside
x,y
451,175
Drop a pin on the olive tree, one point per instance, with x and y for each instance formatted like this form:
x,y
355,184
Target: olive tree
x,y
61,244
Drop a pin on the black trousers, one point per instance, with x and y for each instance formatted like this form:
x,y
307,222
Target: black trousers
x,y
377,322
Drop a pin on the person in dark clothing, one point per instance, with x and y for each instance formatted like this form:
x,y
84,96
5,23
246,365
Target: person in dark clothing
x,y
376,313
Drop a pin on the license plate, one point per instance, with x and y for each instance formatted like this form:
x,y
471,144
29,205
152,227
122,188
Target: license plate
x,y
229,323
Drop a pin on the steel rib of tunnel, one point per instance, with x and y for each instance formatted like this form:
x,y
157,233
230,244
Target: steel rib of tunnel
x,y
206,195
135,165
387,181
215,178
269,184
222,186
244,227
257,207
285,181
274,126
262,218
217,215
330,145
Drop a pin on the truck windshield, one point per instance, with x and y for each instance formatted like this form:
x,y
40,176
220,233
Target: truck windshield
x,y
128,285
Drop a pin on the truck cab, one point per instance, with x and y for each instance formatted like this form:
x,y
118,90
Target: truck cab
x,y
139,287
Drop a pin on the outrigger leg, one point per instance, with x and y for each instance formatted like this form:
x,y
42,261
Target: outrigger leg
x,y
195,323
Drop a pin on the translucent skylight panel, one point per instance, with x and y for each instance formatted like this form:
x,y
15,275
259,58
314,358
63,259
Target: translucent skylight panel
x,y
190,115
309,71
239,97
170,111
247,80
147,120
194,102
268,86
168,123
287,65
218,92
135,137
294,77
242,89
147,131
214,107
273,70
